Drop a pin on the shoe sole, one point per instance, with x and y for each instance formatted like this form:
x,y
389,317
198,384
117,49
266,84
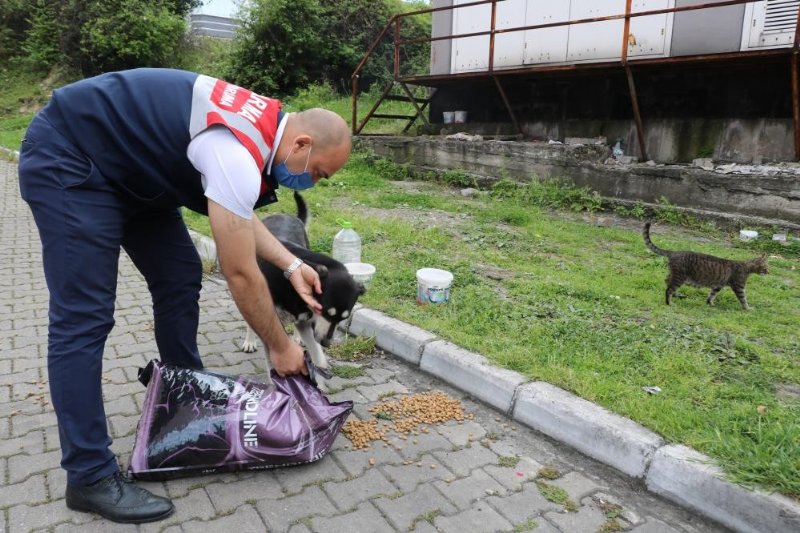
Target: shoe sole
x,y
156,518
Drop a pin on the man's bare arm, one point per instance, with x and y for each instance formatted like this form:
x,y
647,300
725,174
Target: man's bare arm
x,y
236,248
305,280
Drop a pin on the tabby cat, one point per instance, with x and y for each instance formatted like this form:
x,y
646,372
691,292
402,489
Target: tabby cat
x,y
703,270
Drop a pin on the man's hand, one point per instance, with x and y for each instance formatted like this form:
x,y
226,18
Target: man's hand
x,y
288,361
304,280
236,246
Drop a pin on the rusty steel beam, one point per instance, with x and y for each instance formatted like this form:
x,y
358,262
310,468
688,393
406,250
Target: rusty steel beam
x,y
736,57
414,103
354,105
374,45
508,105
637,116
491,35
652,12
374,107
397,48
795,106
626,32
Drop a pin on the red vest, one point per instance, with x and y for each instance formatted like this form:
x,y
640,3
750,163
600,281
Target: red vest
x,y
251,117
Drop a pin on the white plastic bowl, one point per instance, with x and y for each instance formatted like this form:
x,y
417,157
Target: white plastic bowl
x,y
361,272
748,235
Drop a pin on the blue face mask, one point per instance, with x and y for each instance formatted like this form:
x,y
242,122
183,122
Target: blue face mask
x,y
298,182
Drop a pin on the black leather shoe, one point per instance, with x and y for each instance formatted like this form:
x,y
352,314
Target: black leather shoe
x,y
118,499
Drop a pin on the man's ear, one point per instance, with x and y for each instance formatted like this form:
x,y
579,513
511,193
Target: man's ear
x,y
302,141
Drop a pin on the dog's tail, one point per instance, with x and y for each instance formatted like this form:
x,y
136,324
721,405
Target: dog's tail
x,y
302,210
653,248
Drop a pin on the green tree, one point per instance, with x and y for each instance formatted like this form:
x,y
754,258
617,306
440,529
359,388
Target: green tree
x,y
284,46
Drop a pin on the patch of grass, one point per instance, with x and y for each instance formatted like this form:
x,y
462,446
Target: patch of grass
x,y
529,525
557,495
209,267
548,473
353,349
429,517
347,372
458,178
508,461
611,526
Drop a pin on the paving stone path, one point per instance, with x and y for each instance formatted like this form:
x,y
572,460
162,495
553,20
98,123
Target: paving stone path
x,y
480,475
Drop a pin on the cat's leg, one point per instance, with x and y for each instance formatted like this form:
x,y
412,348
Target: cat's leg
x,y
673,284
671,292
741,296
712,295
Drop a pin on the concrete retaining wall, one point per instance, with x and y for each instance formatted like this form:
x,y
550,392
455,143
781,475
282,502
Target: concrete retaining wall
x,y
773,198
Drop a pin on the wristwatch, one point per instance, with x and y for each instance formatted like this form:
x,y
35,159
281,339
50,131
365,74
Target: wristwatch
x,y
291,268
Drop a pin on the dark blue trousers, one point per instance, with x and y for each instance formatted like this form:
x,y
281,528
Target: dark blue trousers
x,y
83,222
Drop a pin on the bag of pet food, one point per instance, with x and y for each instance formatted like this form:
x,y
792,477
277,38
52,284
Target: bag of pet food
x,y
199,422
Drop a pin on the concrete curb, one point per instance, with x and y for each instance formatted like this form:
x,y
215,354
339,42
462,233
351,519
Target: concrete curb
x,y
689,479
587,427
471,373
14,154
677,473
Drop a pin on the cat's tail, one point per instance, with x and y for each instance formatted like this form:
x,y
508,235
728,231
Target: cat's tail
x,y
653,248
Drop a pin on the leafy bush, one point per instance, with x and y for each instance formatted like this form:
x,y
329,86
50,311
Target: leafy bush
x,y
458,178
14,15
130,34
103,35
550,193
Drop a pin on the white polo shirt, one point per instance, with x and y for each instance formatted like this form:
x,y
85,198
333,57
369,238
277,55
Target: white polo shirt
x,y
229,174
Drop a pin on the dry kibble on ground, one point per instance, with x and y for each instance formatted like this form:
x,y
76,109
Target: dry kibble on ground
x,y
362,432
408,415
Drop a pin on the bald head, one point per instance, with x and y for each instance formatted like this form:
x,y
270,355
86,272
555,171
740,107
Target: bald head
x,y
317,140
328,129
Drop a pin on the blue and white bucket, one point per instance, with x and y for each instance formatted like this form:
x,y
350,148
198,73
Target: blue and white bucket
x,y
433,286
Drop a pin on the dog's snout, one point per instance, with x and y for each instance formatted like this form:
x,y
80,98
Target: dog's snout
x,y
325,342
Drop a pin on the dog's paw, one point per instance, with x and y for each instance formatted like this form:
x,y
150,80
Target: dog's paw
x,y
249,346
323,385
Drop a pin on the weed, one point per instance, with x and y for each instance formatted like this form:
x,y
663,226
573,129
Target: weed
x,y
508,461
209,267
611,526
557,495
353,349
548,473
530,525
390,170
705,151
666,212
458,178
347,371
429,517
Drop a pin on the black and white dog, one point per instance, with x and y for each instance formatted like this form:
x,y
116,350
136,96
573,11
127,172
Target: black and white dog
x,y
339,290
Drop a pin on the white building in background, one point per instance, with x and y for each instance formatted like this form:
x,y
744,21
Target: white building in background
x,y
216,18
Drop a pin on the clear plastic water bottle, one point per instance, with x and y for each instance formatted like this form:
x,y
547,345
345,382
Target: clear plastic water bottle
x,y
347,244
